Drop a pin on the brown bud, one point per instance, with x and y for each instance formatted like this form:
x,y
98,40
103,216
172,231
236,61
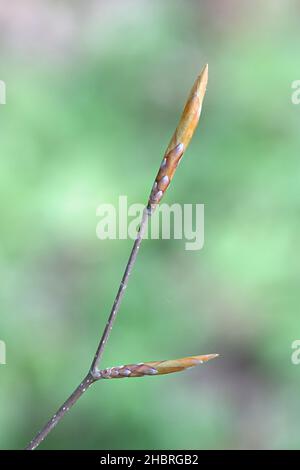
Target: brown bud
x,y
180,139
155,367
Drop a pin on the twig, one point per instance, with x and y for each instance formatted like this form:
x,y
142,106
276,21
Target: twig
x,y
172,157
121,291
93,375
78,392
120,372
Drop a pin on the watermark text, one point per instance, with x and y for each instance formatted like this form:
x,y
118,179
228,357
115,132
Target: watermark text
x,y
180,222
2,92
296,94
2,352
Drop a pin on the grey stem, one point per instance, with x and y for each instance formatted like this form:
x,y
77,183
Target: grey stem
x,y
121,291
78,392
94,374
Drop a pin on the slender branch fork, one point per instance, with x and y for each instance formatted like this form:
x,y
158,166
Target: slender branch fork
x,y
172,157
94,374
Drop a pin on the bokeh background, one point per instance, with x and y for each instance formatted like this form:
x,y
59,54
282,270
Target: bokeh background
x,y
94,90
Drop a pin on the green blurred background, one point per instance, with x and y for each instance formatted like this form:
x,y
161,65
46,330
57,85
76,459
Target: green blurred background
x,y
94,91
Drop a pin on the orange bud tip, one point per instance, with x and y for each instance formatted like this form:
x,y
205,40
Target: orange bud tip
x,y
211,356
201,83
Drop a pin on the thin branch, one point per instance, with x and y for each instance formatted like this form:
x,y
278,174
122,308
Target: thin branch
x,y
93,375
130,370
121,291
78,392
177,146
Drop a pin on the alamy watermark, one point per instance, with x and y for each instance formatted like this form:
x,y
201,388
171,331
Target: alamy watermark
x,y
295,356
2,92
296,94
180,222
2,352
